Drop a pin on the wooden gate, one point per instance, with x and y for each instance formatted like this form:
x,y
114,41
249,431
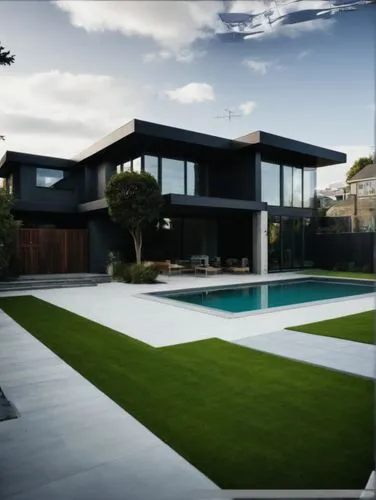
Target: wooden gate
x,y
51,251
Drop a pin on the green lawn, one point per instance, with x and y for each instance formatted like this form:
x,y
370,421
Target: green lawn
x,y
339,274
356,327
244,418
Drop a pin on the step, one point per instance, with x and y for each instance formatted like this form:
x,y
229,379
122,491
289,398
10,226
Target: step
x,y
44,286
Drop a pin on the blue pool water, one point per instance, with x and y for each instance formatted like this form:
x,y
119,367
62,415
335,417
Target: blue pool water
x,y
268,295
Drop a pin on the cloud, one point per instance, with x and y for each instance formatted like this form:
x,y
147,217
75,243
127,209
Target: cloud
x,y
247,107
173,25
183,56
57,113
303,54
258,66
192,93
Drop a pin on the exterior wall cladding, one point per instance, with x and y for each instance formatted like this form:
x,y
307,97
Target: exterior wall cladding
x,y
227,198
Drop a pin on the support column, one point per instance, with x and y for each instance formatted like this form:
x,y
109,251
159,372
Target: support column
x,y
260,242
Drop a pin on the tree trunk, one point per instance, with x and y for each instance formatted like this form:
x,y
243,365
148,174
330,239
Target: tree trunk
x,y
137,240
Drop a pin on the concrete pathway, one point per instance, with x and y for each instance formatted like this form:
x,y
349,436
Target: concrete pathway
x,y
329,352
71,442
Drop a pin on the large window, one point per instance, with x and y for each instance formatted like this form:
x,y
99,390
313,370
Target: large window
x,y
48,178
136,165
151,166
297,187
367,188
173,176
309,187
270,183
9,184
287,186
192,178
290,242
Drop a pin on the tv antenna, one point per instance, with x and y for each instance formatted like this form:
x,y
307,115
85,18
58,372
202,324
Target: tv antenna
x,y
229,115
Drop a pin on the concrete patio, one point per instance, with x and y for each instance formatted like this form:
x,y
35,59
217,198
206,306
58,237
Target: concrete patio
x,y
119,306
71,441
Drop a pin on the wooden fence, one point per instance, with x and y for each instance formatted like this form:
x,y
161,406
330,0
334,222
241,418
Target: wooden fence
x,y
51,251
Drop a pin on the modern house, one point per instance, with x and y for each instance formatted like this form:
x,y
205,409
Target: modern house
x,y
252,197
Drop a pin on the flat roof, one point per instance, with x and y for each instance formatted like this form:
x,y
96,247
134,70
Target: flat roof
x,y
140,127
270,145
275,143
11,158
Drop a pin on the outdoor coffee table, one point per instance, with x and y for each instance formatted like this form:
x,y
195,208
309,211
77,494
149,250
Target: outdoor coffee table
x,y
205,271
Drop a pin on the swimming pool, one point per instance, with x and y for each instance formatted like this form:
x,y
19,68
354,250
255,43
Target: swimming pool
x,y
263,296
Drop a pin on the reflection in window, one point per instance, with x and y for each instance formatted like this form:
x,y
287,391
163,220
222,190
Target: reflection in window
x,y
48,178
127,166
151,165
274,243
287,186
309,242
309,187
270,183
172,176
297,186
9,184
192,179
119,168
136,164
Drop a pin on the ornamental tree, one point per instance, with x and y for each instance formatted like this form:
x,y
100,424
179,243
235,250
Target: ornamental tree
x,y
134,200
8,228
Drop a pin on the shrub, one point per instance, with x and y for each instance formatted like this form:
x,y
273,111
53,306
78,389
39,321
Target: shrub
x,y
139,273
119,270
134,273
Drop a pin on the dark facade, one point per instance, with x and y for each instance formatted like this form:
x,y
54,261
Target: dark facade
x,y
251,197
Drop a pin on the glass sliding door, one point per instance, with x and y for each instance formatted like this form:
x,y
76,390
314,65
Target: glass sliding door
x,y
298,249
274,243
309,235
287,230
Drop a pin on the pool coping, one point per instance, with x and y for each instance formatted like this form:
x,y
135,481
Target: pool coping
x,y
161,296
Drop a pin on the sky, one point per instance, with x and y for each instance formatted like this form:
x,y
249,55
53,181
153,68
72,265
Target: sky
x,y
84,68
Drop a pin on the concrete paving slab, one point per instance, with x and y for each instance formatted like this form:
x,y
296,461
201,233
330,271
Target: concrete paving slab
x,y
337,354
72,442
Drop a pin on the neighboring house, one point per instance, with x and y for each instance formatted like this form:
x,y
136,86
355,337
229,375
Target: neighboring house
x,y
252,197
361,205
336,191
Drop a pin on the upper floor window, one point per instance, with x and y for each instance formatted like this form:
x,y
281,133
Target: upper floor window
x,y
292,186
192,179
367,188
173,176
151,166
136,165
8,184
309,187
297,187
48,177
270,183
